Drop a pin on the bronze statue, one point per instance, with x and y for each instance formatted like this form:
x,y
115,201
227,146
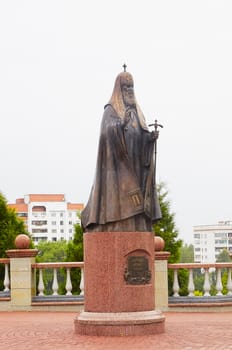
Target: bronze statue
x,y
123,196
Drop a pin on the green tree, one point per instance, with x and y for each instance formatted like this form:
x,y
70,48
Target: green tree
x,y
199,278
166,228
61,251
187,254
52,252
10,227
223,256
75,247
75,253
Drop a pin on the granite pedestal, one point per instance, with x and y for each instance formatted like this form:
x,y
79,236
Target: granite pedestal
x,y
119,285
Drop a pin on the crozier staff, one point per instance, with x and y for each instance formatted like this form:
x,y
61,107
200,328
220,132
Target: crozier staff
x,y
123,195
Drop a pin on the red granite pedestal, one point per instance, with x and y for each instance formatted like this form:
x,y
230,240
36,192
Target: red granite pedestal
x,y
119,285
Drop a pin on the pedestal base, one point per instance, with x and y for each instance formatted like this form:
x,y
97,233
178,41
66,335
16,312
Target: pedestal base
x,y
106,256
119,285
120,324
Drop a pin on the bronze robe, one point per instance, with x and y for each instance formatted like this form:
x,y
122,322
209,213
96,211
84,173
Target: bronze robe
x,y
123,196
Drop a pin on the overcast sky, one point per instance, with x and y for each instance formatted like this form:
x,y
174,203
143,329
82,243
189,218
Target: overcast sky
x,y
58,63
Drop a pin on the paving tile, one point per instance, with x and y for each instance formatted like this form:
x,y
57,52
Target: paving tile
x,y
55,331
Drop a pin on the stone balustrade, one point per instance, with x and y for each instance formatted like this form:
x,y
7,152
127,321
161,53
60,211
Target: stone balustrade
x,y
6,280
22,292
23,285
55,266
214,291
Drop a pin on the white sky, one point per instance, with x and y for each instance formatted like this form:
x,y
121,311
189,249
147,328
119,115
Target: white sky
x,y
58,63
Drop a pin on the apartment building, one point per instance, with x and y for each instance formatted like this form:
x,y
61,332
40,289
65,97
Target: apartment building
x,y
48,217
210,240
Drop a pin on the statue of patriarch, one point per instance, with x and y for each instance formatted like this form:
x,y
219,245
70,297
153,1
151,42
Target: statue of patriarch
x,y
123,196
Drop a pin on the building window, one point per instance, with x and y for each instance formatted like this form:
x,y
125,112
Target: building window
x,y
53,214
54,231
38,239
61,222
53,222
70,230
70,222
220,241
218,250
22,215
39,208
54,239
220,235
61,231
39,222
61,215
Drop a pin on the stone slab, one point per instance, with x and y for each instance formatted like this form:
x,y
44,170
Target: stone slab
x,y
120,324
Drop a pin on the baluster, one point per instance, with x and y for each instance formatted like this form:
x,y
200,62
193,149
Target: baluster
x,y
6,279
219,282
191,286
41,282
82,281
229,282
55,283
68,285
206,283
176,286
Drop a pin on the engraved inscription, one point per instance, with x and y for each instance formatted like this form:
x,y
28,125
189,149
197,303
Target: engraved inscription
x,y
137,270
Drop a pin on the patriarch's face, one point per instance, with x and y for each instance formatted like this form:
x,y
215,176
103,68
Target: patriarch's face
x,y
128,93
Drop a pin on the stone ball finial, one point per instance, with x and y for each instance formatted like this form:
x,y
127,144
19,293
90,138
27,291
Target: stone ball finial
x,y
22,241
159,243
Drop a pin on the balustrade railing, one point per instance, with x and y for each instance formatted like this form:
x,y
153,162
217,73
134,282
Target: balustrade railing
x,y
207,280
203,283
50,271
6,277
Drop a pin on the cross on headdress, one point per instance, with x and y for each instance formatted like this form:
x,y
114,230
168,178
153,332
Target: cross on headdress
x,y
124,66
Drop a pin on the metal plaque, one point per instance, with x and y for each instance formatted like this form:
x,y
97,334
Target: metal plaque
x,y
137,270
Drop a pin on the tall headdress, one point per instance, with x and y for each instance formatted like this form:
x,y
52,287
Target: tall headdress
x,y
117,102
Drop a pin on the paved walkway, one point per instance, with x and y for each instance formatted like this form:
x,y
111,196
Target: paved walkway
x,y
55,331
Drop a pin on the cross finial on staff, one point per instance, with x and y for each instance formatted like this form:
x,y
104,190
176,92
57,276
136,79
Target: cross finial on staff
x,y
124,66
156,134
156,125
